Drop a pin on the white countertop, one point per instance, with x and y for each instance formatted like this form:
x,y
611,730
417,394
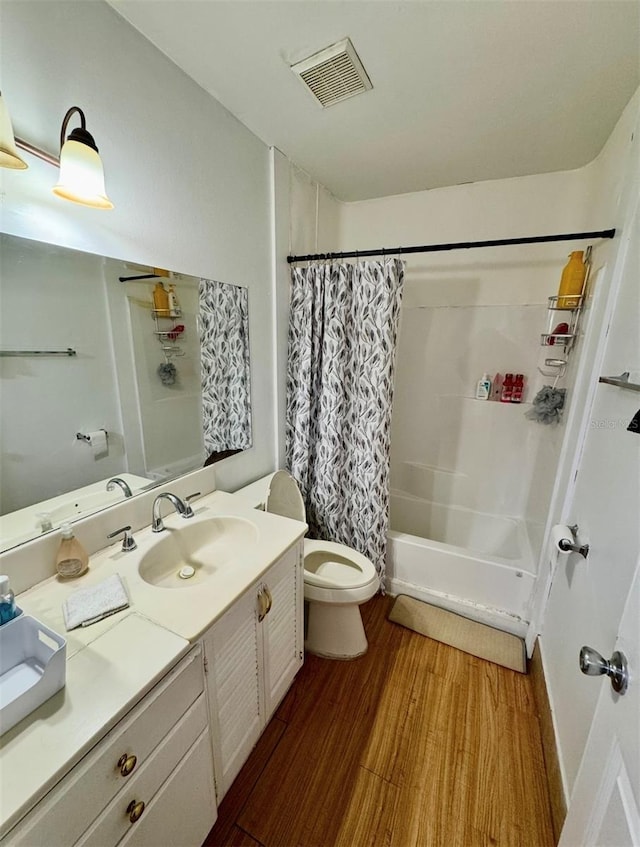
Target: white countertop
x,y
102,682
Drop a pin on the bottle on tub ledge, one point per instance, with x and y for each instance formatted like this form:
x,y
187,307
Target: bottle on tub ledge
x,y
483,388
507,389
518,389
496,387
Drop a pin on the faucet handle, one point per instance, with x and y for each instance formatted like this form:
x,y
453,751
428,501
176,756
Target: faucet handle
x,y
128,541
188,512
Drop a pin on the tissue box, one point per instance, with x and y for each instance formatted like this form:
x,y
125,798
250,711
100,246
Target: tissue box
x,y
32,668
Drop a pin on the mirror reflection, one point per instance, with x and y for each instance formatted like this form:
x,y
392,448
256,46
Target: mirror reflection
x,y
139,380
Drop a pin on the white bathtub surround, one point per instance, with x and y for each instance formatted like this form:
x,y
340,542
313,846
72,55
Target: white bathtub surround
x,y
342,337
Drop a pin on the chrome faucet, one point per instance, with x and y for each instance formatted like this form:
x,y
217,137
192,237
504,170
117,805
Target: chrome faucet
x,y
122,484
183,508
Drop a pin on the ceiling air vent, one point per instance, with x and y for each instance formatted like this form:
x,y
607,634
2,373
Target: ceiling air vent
x,y
333,74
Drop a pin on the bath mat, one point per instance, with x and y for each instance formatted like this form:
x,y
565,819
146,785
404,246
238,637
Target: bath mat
x,y
478,639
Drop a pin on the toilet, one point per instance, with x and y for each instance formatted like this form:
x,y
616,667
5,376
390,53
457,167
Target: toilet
x,y
337,579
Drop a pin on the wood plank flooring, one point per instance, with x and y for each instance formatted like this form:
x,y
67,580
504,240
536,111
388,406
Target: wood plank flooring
x,y
413,745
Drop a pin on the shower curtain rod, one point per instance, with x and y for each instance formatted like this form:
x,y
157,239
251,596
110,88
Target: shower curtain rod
x,y
458,245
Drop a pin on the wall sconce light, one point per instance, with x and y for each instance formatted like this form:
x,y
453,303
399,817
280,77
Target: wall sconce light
x,y
9,157
81,177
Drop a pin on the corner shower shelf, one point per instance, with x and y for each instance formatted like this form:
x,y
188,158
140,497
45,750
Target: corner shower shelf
x,y
167,337
566,339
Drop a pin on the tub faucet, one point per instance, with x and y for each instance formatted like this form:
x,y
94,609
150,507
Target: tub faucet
x,y
179,505
122,484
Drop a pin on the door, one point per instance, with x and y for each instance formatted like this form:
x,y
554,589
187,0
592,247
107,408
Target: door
x,y
605,794
604,809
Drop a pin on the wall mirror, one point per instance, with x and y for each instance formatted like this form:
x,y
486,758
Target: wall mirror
x,y
99,380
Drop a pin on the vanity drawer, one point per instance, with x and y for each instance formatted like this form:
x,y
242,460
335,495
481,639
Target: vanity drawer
x,y
183,811
66,812
115,821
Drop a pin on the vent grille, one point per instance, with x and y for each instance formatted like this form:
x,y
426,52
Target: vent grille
x,y
333,74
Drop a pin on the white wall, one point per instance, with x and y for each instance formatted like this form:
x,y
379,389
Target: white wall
x,y
190,183
467,312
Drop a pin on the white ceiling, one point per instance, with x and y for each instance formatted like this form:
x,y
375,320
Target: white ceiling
x,y
463,90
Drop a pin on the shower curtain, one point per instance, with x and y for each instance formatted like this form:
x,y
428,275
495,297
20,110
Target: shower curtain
x,y
224,363
342,339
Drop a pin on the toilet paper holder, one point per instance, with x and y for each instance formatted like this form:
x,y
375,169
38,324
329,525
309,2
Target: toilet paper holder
x,y
87,438
574,546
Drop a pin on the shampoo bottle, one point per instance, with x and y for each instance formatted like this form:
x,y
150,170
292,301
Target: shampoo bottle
x,y
72,559
572,281
7,601
160,298
507,389
483,388
518,389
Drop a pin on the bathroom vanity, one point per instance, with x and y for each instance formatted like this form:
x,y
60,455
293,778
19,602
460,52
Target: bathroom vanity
x,y
165,700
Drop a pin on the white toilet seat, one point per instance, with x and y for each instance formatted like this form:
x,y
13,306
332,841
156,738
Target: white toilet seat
x,y
335,573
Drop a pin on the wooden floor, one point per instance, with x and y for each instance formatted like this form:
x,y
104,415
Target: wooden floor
x,y
415,743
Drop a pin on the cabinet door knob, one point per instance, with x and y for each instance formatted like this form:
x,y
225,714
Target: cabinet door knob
x,y
126,763
262,605
135,810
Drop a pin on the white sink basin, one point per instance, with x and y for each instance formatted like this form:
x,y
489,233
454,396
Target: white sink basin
x,y
187,556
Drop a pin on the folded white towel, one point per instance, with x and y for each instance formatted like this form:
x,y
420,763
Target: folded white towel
x,y
88,605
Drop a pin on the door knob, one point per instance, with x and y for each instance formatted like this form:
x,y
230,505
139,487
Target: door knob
x,y
593,664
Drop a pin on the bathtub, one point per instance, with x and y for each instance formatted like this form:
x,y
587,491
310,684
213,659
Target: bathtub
x,y
479,565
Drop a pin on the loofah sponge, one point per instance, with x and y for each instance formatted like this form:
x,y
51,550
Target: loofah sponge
x,y
167,373
547,405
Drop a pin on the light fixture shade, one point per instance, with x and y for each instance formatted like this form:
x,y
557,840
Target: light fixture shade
x,y
81,176
9,157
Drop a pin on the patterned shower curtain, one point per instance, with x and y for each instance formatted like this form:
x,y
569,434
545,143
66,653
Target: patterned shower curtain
x,y
224,363
342,341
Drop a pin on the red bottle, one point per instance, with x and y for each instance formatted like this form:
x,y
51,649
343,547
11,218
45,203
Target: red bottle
x,y
507,389
518,389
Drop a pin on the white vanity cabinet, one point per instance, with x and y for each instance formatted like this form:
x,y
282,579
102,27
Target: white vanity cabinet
x,y
253,652
148,782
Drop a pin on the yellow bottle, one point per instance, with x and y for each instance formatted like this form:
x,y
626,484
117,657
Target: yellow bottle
x,y
160,298
572,281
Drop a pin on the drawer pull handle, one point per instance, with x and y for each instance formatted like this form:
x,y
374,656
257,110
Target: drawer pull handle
x,y
135,810
269,599
126,763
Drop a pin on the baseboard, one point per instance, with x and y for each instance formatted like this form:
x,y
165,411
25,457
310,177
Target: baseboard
x,y
549,748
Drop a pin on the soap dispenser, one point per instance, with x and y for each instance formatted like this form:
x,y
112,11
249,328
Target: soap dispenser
x,y
72,559
8,609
